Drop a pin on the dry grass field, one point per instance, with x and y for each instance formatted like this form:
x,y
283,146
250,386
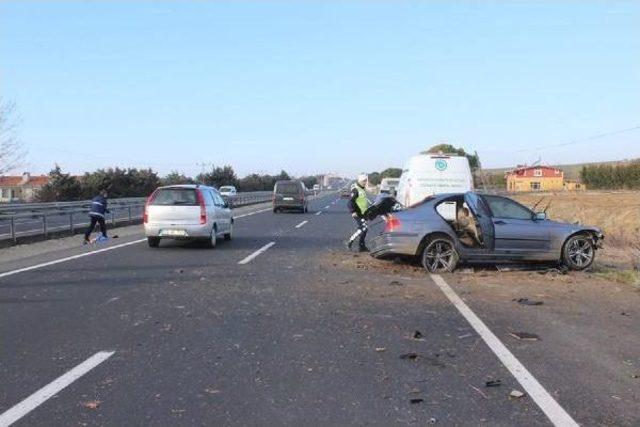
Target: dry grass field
x,y
617,213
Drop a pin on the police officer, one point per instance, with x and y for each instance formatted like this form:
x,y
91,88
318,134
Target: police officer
x,y
96,214
358,204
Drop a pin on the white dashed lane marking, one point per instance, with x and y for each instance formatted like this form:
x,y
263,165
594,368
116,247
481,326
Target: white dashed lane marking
x,y
556,414
256,253
18,411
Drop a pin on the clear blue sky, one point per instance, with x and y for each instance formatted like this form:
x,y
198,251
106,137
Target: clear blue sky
x,y
319,86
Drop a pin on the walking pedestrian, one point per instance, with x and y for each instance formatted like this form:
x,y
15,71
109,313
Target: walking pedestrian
x,y
96,214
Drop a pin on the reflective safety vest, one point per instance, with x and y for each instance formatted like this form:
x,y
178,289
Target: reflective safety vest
x,y
362,202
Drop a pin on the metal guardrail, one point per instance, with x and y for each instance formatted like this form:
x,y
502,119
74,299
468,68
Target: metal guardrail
x,y
45,218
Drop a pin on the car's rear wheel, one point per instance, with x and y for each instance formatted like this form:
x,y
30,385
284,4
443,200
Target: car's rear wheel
x,y
229,235
276,210
213,239
153,242
439,255
578,252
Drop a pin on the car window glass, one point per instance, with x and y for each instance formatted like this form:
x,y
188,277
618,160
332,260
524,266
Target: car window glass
x,y
175,196
218,199
208,198
505,208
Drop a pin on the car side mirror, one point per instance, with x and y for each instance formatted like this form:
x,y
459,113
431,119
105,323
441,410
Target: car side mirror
x,y
539,216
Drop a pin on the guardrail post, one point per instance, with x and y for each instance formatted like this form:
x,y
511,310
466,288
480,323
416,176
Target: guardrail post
x,y
129,209
71,225
44,225
113,218
13,231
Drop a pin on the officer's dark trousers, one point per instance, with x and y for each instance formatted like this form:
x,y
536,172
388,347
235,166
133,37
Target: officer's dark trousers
x,y
96,219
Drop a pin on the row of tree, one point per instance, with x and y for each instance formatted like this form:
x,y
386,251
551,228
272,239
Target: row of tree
x,y
621,176
134,182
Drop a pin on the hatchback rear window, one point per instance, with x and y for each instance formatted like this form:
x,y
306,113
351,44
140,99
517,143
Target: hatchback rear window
x,y
175,196
288,188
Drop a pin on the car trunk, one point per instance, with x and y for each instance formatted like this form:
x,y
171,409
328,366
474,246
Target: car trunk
x,y
174,207
289,194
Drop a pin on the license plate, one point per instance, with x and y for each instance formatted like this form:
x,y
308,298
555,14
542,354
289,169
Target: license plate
x,y
175,233
288,199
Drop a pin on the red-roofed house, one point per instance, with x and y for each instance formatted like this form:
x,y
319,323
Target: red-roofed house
x,y
535,178
21,188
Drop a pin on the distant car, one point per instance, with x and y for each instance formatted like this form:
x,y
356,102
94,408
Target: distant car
x,y
389,185
316,187
289,195
472,227
228,190
345,193
187,212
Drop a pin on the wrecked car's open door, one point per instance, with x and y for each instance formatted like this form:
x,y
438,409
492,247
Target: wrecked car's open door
x,y
481,212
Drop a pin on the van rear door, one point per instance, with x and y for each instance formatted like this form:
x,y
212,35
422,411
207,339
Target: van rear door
x,y
174,206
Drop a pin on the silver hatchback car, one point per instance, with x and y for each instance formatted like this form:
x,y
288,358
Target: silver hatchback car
x,y
187,212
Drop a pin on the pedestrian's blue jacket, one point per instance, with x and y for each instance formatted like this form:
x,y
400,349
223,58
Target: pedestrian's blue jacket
x,y
98,206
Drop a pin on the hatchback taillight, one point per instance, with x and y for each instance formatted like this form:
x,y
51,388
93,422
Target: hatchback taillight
x,y
203,209
145,214
392,224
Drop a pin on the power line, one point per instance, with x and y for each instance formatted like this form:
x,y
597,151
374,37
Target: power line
x,y
572,142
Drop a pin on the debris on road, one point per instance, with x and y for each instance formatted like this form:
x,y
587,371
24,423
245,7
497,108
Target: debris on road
x,y
395,283
409,356
503,268
561,270
416,400
115,236
493,383
212,390
417,335
91,404
467,270
479,391
432,420
515,394
525,336
460,337
527,301
381,349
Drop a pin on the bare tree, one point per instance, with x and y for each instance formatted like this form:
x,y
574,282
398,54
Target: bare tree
x,y
11,149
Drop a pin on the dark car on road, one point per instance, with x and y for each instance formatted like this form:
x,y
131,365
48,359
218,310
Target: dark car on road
x,y
345,193
479,228
290,195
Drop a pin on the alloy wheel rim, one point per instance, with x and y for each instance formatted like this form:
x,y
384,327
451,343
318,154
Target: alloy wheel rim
x,y
439,256
580,252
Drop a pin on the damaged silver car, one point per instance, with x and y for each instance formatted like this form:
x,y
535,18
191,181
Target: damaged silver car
x,y
470,227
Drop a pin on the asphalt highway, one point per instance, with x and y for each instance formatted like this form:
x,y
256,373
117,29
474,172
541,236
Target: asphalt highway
x,y
262,330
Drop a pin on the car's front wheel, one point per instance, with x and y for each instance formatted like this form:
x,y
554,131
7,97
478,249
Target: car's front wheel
x,y
153,242
439,256
578,252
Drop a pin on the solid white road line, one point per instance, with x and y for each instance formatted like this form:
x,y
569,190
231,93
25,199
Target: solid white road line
x,y
318,213
556,414
18,411
256,253
58,261
252,213
301,224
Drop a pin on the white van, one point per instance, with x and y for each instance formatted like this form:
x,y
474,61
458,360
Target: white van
x,y
428,174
